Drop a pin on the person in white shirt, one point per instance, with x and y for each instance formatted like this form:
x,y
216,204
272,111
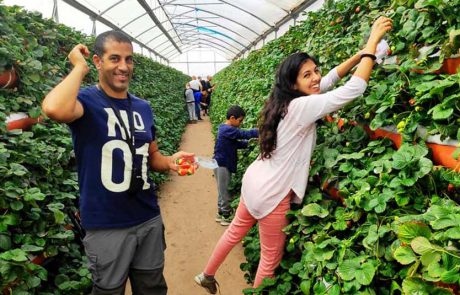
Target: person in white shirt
x,y
287,138
195,84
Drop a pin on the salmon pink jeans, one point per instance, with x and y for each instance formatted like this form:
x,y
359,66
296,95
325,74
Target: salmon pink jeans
x,y
272,239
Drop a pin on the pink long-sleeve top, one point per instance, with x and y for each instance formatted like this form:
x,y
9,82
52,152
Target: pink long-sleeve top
x,y
266,182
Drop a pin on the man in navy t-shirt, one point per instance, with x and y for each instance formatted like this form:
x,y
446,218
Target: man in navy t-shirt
x,y
113,135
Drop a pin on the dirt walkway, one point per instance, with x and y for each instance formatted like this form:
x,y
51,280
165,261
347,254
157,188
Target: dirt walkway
x,y
188,206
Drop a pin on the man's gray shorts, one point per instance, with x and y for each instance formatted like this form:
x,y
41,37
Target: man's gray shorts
x,y
115,253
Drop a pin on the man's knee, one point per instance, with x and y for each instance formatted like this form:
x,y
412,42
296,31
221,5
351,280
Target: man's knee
x,y
148,282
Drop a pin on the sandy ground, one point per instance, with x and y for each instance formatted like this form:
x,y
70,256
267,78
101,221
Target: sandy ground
x,y
188,206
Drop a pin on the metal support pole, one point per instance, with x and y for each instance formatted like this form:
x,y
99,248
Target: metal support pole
x,y
55,12
188,66
93,31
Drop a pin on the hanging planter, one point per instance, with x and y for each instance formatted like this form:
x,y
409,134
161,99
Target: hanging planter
x,y
21,121
450,65
8,78
443,155
386,132
442,150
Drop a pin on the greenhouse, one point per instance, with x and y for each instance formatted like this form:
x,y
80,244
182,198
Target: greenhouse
x,y
230,147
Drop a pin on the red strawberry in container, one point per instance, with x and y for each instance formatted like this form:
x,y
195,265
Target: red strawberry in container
x,y
185,166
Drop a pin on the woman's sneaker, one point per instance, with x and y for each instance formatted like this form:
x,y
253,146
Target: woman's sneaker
x,y
208,283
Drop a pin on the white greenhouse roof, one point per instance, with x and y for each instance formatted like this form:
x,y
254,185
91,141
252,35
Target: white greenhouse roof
x,y
168,29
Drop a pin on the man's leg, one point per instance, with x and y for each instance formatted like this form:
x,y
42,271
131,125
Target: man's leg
x,y
109,253
146,272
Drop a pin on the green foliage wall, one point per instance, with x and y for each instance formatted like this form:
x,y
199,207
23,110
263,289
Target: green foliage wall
x,y
387,237
37,168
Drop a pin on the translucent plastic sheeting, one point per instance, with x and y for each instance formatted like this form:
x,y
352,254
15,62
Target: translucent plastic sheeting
x,y
168,28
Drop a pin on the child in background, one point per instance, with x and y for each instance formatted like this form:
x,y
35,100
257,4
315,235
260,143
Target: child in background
x,y
230,138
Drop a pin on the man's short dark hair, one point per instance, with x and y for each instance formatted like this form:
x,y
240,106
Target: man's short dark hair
x,y
118,36
235,111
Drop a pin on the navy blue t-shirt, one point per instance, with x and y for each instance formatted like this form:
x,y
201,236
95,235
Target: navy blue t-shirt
x,y
104,161
229,140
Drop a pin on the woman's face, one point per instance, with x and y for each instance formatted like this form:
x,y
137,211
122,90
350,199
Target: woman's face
x,y
308,78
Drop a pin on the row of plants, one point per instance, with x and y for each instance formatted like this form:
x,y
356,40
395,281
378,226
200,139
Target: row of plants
x,y
39,247
393,228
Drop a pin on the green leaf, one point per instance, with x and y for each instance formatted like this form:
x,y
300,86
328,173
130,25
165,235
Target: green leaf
x,y
34,77
18,169
365,274
31,248
33,282
401,159
16,205
408,231
440,112
404,255
443,223
415,286
15,255
425,165
453,233
435,270
314,210
429,258
355,156
345,167
305,287
408,181
347,269
334,290
5,242
456,153
421,245
452,276
34,194
35,64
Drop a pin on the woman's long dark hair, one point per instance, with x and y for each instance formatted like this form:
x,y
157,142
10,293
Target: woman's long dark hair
x,y
276,106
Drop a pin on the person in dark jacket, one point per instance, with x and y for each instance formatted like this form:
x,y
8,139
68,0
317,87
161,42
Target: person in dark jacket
x,y
230,138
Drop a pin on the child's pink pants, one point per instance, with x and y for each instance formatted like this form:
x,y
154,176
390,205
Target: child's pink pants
x,y
272,239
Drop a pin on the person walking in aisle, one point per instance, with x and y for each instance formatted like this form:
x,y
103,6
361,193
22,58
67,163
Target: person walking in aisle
x,y
114,139
196,87
190,101
287,137
207,87
230,138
